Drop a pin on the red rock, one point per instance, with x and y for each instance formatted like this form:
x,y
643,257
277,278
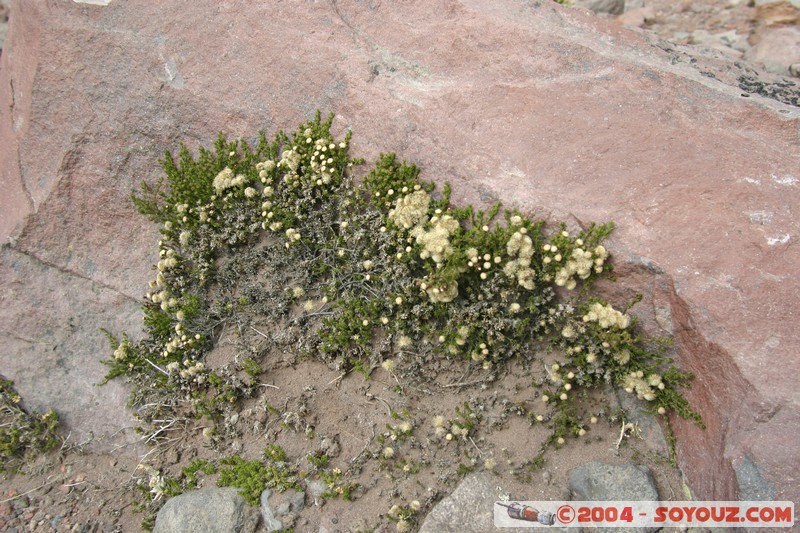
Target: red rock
x,y
545,108
638,17
777,49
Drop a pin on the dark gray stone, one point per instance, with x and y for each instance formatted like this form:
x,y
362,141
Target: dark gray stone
x,y
268,515
649,429
213,510
316,488
598,481
330,447
470,509
279,510
752,485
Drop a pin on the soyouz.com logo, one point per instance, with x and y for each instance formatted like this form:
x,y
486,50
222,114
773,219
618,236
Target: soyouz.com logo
x,y
644,514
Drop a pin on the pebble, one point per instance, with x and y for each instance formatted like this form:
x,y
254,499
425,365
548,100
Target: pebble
x,y
330,447
316,488
269,521
21,503
54,523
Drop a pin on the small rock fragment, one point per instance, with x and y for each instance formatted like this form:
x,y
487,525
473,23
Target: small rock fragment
x,y
268,515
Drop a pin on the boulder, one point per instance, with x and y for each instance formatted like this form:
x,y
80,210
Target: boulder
x,y
214,510
777,49
269,520
3,22
638,17
598,481
548,109
611,7
470,508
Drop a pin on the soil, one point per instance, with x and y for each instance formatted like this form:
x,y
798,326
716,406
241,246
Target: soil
x,y
305,406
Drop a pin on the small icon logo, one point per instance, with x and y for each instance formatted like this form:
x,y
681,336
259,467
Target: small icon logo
x,y
517,511
565,514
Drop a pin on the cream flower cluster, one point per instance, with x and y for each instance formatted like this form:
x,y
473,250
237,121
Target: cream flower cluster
x,y
192,370
182,209
481,263
461,335
321,160
554,374
402,515
122,351
264,168
164,298
403,429
580,264
481,353
457,430
168,260
225,180
622,357
443,292
520,246
290,159
292,234
435,242
155,481
644,388
181,340
267,213
411,210
438,425
606,316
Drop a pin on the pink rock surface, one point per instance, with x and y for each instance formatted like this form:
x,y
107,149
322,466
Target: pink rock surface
x,y
777,49
637,17
544,108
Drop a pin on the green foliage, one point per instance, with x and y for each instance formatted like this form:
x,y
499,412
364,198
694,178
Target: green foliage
x,y
252,477
190,472
319,460
671,400
365,270
251,367
404,516
157,487
336,485
23,434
